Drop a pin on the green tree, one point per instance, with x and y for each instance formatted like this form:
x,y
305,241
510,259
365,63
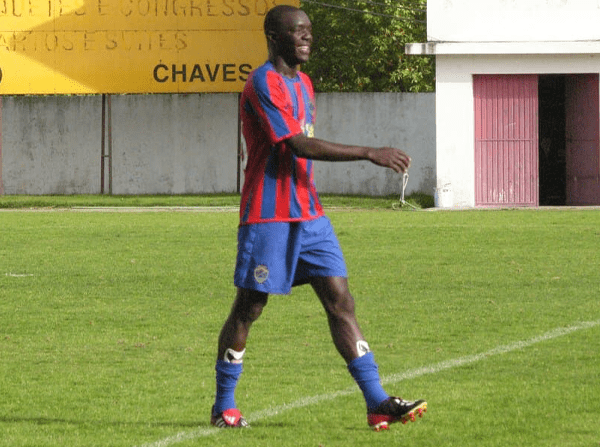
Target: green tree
x,y
359,46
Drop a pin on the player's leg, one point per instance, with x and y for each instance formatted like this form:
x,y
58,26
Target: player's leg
x,y
264,264
348,339
245,310
339,307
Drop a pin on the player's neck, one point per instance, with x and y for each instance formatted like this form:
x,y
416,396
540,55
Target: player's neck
x,y
283,68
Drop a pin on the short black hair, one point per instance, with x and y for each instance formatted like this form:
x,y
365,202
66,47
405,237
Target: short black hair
x,y
274,16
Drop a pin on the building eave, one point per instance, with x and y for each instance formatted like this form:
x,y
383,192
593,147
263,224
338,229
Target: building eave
x,y
435,48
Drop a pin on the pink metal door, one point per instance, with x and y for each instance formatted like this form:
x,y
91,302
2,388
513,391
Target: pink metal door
x,y
582,130
506,140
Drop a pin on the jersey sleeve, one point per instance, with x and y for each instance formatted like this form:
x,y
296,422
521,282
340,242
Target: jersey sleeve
x,y
273,104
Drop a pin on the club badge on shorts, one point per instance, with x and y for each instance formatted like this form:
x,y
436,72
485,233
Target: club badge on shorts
x,y
261,273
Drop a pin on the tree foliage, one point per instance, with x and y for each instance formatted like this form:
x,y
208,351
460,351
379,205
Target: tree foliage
x,y
359,46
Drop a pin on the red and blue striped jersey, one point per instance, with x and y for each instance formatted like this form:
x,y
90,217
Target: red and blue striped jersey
x,y
278,186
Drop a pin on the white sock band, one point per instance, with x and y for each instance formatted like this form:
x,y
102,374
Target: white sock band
x,y
362,347
232,356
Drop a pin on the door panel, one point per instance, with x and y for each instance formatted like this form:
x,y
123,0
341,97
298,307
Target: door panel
x,y
506,140
582,134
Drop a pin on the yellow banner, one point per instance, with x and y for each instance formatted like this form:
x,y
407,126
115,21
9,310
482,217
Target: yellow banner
x,y
130,46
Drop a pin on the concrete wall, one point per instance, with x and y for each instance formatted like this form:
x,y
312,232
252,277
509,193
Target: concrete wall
x,y
188,144
51,144
174,144
406,121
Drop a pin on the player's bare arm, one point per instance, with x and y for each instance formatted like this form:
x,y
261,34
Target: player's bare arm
x,y
316,149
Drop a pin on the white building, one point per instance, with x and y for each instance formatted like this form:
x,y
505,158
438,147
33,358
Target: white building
x,y
517,101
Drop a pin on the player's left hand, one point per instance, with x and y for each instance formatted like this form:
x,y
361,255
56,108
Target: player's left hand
x,y
390,157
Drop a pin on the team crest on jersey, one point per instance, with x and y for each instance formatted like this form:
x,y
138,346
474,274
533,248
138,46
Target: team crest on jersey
x,y
309,130
261,273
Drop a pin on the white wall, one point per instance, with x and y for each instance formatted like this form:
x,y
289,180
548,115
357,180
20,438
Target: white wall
x,y
455,160
512,20
497,37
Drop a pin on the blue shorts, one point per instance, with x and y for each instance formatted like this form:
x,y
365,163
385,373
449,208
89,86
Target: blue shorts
x,y
273,257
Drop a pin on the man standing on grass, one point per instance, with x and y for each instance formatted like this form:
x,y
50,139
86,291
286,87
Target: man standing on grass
x,y
284,238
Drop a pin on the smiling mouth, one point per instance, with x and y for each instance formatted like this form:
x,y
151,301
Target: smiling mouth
x,y
304,49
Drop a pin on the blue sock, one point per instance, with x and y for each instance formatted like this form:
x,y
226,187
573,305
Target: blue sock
x,y
227,378
365,373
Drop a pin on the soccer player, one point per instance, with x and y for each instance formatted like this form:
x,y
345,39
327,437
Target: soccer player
x,y
284,238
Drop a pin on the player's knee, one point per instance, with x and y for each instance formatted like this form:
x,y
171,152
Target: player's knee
x,y
252,313
249,305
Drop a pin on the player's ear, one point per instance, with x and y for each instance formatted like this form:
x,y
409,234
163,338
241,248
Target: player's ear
x,y
272,36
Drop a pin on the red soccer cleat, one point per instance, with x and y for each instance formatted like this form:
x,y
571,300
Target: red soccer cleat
x,y
395,409
231,418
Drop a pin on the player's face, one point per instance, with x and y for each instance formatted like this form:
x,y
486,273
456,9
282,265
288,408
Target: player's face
x,y
295,38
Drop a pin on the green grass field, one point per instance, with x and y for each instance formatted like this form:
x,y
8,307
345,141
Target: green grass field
x,y
109,320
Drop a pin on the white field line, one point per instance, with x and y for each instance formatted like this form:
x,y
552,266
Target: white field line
x,y
390,379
